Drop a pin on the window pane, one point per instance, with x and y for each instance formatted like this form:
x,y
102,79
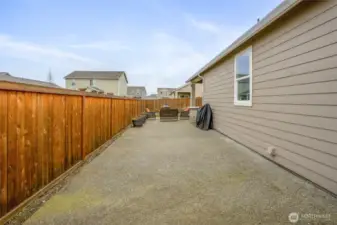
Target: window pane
x,y
242,65
243,90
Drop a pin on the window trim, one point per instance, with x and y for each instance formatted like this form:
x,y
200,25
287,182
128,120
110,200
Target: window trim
x,y
92,82
244,102
73,83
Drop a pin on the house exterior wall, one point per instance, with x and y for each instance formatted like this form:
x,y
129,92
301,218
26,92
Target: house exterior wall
x,y
79,83
294,102
188,89
164,93
137,92
122,86
183,95
109,86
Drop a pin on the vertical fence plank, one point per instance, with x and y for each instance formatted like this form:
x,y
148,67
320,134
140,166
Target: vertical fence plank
x,y
112,108
27,135
69,113
3,153
44,137
84,136
35,182
58,136
77,131
21,179
12,152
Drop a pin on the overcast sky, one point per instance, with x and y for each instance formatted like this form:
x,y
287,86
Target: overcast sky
x,y
159,43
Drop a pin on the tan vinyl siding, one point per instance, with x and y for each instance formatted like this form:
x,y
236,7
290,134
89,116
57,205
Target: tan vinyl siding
x,y
79,83
294,94
122,86
108,86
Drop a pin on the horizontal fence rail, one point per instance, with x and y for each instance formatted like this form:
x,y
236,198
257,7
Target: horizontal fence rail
x,y
46,131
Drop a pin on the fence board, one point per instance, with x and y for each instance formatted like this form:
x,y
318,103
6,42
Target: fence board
x,y
58,136
77,131
179,103
44,138
12,152
3,153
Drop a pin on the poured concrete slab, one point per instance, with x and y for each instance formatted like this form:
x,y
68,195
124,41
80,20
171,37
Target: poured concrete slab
x,y
174,173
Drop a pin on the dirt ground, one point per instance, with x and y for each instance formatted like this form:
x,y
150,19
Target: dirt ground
x,y
174,173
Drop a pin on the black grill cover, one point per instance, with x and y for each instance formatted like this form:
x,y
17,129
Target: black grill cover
x,y
205,117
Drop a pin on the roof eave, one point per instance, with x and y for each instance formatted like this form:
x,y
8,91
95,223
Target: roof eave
x,y
263,24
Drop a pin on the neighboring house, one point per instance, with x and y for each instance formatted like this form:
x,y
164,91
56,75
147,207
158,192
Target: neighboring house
x,y
186,90
136,91
164,92
92,89
275,89
7,77
111,82
151,96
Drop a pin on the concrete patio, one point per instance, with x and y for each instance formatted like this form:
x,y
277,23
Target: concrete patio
x,y
174,173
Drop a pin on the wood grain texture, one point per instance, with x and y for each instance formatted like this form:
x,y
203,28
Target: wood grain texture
x,y
180,103
58,132
3,152
43,135
12,152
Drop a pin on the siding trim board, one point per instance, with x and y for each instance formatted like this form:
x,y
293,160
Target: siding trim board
x,y
294,105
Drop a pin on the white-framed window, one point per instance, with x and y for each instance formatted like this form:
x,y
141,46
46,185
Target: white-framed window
x,y
92,82
243,78
73,83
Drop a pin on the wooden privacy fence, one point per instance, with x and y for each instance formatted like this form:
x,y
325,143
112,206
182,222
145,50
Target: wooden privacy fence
x,y
198,101
46,131
179,103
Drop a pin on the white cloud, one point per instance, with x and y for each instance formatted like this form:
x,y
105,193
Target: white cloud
x,y
153,59
166,62
36,52
102,45
203,25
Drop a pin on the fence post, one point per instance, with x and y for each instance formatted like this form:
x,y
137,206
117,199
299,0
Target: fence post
x,y
83,129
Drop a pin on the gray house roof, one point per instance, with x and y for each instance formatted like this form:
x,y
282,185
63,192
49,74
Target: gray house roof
x,y
165,89
7,77
103,75
133,89
275,14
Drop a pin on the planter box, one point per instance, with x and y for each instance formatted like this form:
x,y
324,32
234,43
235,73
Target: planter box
x,y
145,114
151,115
138,122
143,118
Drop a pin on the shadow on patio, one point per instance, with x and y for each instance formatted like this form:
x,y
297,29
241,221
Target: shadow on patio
x,y
173,173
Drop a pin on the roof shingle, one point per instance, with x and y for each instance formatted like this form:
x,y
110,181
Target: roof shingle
x,y
104,75
7,77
